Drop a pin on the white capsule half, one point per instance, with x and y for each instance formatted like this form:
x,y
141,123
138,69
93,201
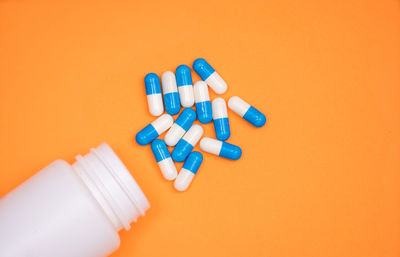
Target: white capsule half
x,y
194,134
201,92
163,123
186,96
211,145
219,110
239,106
169,83
183,180
168,169
155,104
217,83
174,134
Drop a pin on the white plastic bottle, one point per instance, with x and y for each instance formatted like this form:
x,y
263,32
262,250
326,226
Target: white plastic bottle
x,y
71,210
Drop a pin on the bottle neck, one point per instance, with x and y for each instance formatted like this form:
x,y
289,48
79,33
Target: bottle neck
x,y
111,184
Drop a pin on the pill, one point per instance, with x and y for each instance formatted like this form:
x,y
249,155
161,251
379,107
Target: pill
x,y
179,128
164,159
185,85
187,142
220,119
153,92
246,111
210,76
154,129
170,92
189,169
203,104
220,148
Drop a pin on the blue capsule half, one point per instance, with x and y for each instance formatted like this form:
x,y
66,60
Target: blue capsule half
x,y
193,162
181,150
160,150
201,67
230,151
146,135
204,112
183,76
172,103
255,117
222,129
186,118
152,84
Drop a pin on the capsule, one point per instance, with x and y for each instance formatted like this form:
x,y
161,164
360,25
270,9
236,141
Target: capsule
x,y
185,85
203,104
189,169
164,159
246,111
170,93
153,92
220,118
210,76
179,128
187,142
154,129
220,148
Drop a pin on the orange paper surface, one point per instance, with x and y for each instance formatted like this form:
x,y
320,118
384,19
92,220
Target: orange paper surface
x,y
321,179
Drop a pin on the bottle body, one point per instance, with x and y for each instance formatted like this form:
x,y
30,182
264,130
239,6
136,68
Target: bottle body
x,y
58,213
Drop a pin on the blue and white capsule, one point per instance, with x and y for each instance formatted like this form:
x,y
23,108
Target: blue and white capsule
x,y
164,160
153,92
187,143
220,148
189,169
154,129
179,128
185,85
210,76
220,118
170,92
246,111
202,100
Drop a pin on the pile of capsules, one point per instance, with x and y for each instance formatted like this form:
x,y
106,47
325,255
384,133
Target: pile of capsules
x,y
183,134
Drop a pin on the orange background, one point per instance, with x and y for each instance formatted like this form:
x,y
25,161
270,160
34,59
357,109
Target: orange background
x,y
321,179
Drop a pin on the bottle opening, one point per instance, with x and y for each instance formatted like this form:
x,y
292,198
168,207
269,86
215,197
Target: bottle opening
x,y
112,186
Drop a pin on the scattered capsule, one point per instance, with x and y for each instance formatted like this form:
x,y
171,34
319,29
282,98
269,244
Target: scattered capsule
x,y
189,169
153,92
220,148
179,128
210,76
154,129
185,85
164,159
220,118
203,104
170,93
246,111
187,142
